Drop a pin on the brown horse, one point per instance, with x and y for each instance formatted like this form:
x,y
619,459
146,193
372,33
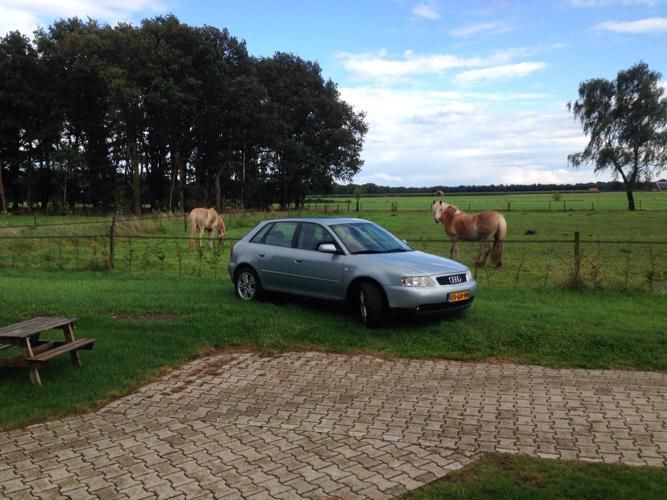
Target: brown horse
x,y
205,219
483,226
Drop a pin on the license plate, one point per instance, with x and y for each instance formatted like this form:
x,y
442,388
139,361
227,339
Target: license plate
x,y
458,296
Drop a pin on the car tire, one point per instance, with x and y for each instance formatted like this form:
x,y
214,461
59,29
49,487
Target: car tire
x,y
247,285
371,304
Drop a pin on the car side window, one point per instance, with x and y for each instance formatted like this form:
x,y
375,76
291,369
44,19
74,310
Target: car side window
x,y
261,234
281,234
312,236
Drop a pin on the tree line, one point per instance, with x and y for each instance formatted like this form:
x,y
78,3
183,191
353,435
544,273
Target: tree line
x,y
167,115
375,189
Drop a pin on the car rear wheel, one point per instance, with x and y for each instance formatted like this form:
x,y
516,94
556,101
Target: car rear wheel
x,y
247,285
371,305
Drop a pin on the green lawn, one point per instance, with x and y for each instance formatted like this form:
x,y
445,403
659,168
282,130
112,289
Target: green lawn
x,y
515,477
145,324
163,304
621,250
563,201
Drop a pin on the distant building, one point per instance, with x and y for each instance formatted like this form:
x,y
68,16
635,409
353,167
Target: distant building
x,y
593,189
661,185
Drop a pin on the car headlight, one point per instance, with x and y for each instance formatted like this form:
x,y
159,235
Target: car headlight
x,y
417,281
468,275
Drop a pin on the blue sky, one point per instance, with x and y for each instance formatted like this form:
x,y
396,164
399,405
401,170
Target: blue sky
x,y
456,92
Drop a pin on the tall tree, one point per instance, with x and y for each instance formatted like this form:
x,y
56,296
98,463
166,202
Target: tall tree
x,y
27,130
172,92
315,137
124,75
79,53
626,119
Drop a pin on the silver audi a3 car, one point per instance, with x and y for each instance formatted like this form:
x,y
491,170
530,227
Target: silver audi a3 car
x,y
347,260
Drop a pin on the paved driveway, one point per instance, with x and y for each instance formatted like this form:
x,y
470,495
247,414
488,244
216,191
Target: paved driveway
x,y
318,425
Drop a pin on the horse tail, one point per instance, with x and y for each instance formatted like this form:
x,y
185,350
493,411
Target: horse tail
x,y
191,229
496,255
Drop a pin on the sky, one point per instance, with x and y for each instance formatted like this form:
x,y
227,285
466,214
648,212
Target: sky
x,y
455,92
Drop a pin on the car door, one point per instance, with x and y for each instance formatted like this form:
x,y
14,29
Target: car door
x,y
314,273
274,256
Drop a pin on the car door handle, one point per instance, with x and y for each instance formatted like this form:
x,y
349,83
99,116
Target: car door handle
x,y
298,261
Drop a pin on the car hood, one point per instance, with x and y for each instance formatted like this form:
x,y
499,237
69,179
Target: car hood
x,y
415,263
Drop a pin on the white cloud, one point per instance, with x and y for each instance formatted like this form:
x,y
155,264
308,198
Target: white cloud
x,y
383,67
528,174
426,10
425,138
648,25
17,20
379,66
481,28
502,72
25,15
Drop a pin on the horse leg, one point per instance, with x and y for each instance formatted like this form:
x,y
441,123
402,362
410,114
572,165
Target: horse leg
x,y
496,254
191,241
201,236
210,239
484,249
454,252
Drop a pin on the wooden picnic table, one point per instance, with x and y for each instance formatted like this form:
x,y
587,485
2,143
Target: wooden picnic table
x,y
37,352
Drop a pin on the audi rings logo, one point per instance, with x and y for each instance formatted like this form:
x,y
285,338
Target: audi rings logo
x,y
453,280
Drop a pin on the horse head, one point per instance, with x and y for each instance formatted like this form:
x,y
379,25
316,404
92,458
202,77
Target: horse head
x,y
436,206
440,209
221,230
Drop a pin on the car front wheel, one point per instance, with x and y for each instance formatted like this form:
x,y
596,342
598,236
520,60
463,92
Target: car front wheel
x,y
247,285
371,305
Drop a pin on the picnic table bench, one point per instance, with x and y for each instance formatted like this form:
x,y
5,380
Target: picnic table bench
x,y
37,352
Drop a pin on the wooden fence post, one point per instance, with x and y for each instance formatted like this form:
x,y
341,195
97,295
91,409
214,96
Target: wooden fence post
x,y
112,241
577,257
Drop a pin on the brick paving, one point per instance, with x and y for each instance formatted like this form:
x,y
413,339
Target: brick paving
x,y
313,425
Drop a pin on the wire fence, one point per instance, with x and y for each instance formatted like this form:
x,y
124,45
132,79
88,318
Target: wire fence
x,y
537,263
583,203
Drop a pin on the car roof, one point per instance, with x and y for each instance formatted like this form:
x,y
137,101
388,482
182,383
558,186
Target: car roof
x,y
320,220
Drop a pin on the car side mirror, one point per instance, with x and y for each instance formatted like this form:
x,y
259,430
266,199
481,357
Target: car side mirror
x,y
327,248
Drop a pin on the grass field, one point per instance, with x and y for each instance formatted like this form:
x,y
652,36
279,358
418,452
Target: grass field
x,y
620,250
144,324
555,202
162,305
506,476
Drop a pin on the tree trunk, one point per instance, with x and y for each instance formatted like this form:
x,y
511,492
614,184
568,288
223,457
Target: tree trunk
x,y
181,191
136,179
631,199
218,191
172,186
3,200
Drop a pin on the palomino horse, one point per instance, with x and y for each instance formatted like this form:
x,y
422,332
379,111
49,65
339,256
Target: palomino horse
x,y
483,226
201,219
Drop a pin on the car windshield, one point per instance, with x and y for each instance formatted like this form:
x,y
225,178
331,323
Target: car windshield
x,y
366,237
